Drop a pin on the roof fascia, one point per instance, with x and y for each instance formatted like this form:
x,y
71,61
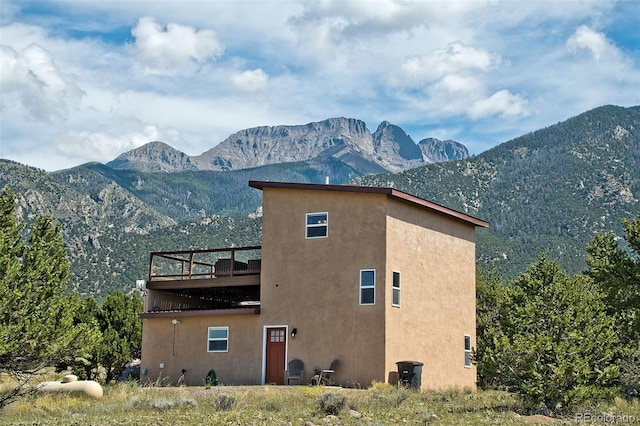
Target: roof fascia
x,y
374,190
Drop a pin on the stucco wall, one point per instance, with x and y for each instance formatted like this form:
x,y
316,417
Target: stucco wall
x,y
313,284
240,365
436,258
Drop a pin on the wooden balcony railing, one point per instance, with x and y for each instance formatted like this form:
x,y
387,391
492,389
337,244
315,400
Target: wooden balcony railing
x,y
200,264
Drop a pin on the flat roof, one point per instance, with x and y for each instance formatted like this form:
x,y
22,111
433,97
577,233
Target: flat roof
x,y
392,192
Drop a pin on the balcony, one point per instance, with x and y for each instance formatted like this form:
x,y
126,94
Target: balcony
x,y
218,281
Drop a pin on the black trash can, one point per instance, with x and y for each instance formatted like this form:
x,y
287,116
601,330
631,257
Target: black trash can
x,y
410,373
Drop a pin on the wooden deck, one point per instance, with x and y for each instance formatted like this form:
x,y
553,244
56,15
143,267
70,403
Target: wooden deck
x,y
207,264
217,280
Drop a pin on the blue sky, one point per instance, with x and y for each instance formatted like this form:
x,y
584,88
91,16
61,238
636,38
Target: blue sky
x,y
87,80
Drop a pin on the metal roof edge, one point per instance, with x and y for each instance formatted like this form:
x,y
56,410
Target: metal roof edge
x,y
373,190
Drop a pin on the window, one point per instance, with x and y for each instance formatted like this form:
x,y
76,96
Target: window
x,y
368,287
317,225
218,339
276,336
467,351
395,289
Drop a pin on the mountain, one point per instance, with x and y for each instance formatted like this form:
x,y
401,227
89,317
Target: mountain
x,y
98,217
547,191
85,201
394,149
346,140
154,157
437,151
190,195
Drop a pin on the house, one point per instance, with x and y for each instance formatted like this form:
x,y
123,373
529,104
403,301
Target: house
x,y
368,276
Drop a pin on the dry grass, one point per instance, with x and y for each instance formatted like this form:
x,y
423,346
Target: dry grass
x,y
382,404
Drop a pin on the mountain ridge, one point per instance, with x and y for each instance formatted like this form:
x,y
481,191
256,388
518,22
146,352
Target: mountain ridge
x,y
154,156
547,191
388,149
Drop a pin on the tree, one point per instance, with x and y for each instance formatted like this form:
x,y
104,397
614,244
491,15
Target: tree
x,y
617,273
556,345
84,364
37,326
119,320
490,290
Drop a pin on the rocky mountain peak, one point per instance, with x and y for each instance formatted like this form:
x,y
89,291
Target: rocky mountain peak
x,y
342,125
338,140
154,157
395,149
437,151
264,145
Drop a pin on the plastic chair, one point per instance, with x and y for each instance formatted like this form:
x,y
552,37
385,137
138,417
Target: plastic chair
x,y
294,371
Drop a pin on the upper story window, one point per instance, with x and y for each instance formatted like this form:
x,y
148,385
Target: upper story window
x,y
368,287
395,289
317,225
218,339
467,351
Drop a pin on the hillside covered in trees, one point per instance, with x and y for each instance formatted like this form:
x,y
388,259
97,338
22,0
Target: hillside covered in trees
x,y
549,191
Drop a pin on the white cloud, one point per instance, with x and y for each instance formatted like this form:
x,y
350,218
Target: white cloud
x,y
32,78
502,103
457,80
250,81
454,93
96,145
176,49
593,41
456,58
596,71
473,70
328,24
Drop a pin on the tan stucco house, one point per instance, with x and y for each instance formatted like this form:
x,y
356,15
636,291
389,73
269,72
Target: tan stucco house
x,y
367,276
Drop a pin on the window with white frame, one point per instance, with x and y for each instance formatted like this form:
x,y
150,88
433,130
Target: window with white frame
x,y
367,287
317,225
467,351
218,339
395,289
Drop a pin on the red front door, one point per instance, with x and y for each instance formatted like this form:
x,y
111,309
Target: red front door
x,y
276,348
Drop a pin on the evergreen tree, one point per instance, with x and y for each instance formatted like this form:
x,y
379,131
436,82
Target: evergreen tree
x,y
556,345
37,326
617,273
84,364
11,250
119,320
490,290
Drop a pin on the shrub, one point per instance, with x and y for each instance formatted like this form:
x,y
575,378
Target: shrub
x,y
388,394
164,404
223,402
161,404
331,403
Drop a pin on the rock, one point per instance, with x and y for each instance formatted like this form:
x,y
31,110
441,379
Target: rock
x,y
436,151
